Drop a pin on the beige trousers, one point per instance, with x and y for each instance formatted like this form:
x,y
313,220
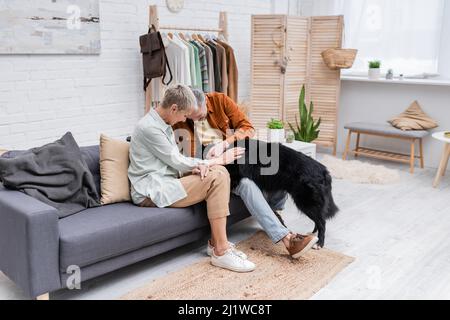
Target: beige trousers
x,y
214,189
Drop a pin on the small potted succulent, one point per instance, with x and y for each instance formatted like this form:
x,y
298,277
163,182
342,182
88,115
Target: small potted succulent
x,y
276,131
374,69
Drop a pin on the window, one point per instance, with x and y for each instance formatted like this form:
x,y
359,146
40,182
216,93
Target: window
x,y
404,34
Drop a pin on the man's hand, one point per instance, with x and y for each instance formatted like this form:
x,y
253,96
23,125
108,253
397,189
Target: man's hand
x,y
228,157
217,150
201,170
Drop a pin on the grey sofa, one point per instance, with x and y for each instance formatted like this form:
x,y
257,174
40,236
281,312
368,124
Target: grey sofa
x,y
36,248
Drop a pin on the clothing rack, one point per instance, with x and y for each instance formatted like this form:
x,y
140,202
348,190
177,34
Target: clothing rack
x,y
222,30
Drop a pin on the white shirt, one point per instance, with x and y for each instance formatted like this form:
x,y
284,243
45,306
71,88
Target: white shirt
x,y
178,60
185,65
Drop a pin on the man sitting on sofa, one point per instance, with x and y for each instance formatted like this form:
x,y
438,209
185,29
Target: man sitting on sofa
x,y
217,123
160,174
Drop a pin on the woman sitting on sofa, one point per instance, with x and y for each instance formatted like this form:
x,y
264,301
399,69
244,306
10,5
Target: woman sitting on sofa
x,y
160,174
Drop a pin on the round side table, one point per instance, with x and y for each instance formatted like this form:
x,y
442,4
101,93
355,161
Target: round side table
x,y
445,156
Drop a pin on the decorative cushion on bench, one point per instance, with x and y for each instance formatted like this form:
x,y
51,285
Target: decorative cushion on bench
x,y
413,119
385,129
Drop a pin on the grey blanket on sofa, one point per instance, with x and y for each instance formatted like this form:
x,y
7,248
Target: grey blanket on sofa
x,y
54,173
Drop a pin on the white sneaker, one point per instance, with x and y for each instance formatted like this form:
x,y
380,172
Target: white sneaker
x,y
210,248
231,261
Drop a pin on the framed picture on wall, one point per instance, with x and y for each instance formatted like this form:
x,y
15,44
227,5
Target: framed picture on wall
x,y
49,27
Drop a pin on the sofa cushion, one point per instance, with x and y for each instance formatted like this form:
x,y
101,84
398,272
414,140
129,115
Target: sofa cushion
x,y
102,233
91,155
98,234
114,162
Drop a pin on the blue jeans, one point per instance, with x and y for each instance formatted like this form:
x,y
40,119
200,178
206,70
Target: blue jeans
x,y
261,207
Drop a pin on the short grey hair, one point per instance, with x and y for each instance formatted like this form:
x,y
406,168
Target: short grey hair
x,y
180,95
199,96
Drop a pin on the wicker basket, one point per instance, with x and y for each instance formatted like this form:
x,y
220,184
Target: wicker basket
x,y
339,58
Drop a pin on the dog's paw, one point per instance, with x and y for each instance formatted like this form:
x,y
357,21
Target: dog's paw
x,y
316,247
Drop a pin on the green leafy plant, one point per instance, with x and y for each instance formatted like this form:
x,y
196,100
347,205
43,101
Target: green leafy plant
x,y
307,130
275,124
374,64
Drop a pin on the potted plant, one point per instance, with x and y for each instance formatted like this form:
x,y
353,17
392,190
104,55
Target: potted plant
x,y
276,131
308,129
374,69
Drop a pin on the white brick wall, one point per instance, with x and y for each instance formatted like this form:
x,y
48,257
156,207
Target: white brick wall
x,y
43,96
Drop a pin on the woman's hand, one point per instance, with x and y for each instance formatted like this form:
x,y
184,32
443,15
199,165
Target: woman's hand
x,y
201,170
217,150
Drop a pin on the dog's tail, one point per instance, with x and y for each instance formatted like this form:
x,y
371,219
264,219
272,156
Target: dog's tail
x,y
331,208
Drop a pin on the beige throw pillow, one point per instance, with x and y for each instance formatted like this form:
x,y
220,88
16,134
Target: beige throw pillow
x,y
114,161
413,119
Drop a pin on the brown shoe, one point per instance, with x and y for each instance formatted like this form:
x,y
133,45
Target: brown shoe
x,y
299,244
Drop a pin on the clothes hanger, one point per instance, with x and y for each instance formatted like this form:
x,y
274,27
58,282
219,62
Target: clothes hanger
x,y
165,37
201,38
222,38
214,38
197,38
178,37
181,35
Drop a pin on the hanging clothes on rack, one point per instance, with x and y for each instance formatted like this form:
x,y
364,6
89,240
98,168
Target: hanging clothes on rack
x,y
232,70
222,65
198,60
216,65
198,72
176,59
210,65
203,64
187,79
191,59
201,61
198,39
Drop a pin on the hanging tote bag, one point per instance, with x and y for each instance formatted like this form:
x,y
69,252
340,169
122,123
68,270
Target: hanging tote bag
x,y
154,57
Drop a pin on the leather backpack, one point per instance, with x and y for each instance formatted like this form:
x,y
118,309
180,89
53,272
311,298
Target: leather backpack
x,y
154,57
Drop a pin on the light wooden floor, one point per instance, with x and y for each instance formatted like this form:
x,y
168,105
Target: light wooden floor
x,y
399,235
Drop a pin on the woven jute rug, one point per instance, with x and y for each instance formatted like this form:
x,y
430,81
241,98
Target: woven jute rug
x,y
277,276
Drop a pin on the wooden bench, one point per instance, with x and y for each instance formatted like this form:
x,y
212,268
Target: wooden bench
x,y
387,131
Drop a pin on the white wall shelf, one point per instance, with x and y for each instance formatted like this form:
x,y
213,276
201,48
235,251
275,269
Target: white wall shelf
x,y
429,82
